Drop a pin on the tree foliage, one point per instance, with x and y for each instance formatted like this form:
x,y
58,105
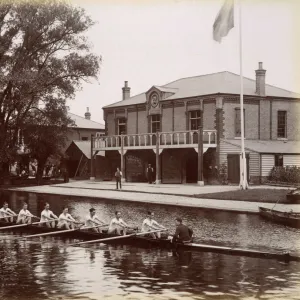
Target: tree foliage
x,y
44,58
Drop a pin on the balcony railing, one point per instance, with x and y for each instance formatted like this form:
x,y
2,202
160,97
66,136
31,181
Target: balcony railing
x,y
175,139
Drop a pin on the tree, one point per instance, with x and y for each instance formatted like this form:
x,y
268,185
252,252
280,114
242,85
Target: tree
x,y
44,57
46,133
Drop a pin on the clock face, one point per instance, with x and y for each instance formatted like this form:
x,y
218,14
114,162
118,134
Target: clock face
x,y
154,100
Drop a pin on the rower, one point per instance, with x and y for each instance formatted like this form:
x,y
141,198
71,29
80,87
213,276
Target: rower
x,y
117,224
24,216
93,220
47,215
183,233
6,213
149,224
65,220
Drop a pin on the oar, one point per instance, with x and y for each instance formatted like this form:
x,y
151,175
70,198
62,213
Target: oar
x,y
61,231
114,238
24,225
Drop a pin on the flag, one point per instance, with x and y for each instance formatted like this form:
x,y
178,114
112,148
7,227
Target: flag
x,y
224,21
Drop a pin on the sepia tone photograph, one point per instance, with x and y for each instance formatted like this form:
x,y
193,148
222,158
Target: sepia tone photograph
x,y
149,149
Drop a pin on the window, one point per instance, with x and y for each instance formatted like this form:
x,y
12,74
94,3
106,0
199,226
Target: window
x,y
155,123
195,119
281,124
121,126
238,130
278,160
84,138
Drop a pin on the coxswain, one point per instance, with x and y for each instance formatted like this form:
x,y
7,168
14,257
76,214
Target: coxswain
x,y
6,213
149,224
117,224
24,215
65,220
183,233
48,215
92,220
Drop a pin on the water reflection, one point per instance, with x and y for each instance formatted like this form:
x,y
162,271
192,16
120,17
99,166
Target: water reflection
x,y
47,269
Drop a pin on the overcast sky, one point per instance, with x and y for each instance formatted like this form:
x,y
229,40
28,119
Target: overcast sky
x,y
155,42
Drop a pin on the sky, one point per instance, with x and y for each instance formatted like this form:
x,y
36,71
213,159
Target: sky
x,y
155,42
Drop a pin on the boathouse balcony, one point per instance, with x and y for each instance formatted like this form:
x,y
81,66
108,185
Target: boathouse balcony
x,y
174,139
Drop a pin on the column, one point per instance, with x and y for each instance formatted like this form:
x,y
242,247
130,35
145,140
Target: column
x,y
122,158
158,173
200,156
92,176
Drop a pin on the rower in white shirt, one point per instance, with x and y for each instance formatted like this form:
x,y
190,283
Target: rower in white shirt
x,y
48,215
92,220
149,224
65,220
24,215
6,213
117,225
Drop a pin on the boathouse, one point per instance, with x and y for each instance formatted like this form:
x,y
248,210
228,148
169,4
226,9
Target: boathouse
x,y
189,130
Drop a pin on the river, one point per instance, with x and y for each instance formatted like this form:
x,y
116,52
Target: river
x,y
47,268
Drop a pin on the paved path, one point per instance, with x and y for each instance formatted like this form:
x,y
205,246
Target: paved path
x,y
169,189
156,195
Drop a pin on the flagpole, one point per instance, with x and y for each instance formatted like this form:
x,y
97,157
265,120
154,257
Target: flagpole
x,y
243,164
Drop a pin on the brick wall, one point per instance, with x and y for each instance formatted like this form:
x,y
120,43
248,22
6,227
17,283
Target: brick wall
x,y
209,115
293,117
251,120
142,122
110,121
179,118
131,122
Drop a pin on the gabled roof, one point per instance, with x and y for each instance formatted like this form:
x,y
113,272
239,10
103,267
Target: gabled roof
x,y
82,122
85,148
215,83
166,89
262,146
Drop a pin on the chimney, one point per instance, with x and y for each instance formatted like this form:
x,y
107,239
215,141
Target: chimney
x,y
126,91
260,80
87,115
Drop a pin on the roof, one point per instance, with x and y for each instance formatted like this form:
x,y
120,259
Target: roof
x,y
82,122
215,83
85,148
261,146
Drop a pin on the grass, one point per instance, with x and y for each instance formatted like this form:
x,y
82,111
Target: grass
x,y
251,195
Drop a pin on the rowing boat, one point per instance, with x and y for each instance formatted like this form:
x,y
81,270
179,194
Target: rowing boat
x,y
285,218
164,243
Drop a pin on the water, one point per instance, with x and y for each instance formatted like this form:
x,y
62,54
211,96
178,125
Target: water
x,y
46,268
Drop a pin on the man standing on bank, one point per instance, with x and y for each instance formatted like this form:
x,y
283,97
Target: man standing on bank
x,y
118,176
150,172
183,233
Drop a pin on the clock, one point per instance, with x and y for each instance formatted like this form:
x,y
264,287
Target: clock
x,y
154,100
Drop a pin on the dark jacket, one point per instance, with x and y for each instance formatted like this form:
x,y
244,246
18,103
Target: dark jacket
x,y
183,233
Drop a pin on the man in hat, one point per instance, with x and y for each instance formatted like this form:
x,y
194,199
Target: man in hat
x,y
92,220
150,172
183,233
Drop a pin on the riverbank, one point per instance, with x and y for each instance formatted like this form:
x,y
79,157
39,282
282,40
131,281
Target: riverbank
x,y
175,195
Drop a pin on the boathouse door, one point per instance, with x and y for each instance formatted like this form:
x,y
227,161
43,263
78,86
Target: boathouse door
x,y
233,165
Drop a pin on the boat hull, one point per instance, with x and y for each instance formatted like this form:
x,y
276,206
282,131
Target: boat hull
x,y
284,218
142,241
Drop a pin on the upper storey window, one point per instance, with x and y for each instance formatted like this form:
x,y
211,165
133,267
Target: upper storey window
x,y
155,123
281,124
195,119
121,126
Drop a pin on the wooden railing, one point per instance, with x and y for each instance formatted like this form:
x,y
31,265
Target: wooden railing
x,y
175,139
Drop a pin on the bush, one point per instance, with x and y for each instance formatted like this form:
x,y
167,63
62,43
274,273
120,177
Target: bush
x,y
285,174
223,174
